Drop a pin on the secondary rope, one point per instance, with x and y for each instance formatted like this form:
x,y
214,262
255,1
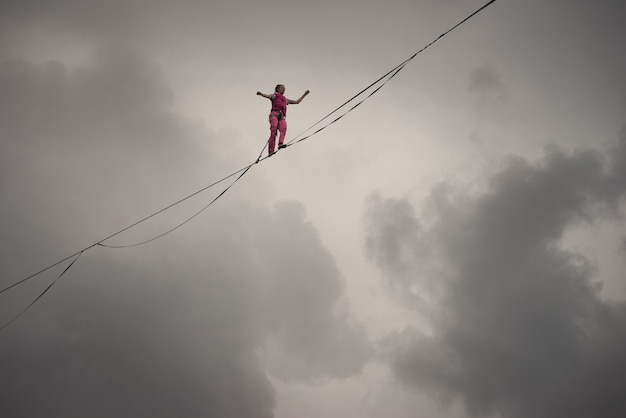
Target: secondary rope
x,y
76,256
182,223
386,77
245,170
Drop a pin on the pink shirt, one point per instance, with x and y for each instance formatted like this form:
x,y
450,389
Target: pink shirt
x,y
279,103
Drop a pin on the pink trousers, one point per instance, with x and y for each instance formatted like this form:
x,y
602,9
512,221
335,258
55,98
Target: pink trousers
x,y
276,125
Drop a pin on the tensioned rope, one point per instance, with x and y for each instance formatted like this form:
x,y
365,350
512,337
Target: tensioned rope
x,y
9,322
383,80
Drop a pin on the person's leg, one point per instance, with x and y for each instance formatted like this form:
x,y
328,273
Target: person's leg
x,y
282,128
271,142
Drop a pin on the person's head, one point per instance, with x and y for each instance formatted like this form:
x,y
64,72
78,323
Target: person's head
x,y
280,88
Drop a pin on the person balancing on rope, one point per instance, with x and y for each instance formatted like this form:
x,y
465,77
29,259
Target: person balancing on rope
x,y
278,115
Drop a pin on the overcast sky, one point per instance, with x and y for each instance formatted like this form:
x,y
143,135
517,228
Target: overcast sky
x,y
455,247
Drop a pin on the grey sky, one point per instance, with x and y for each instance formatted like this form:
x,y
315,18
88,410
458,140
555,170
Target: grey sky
x,y
453,248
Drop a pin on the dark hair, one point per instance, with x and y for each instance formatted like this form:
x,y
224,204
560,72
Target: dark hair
x,y
277,86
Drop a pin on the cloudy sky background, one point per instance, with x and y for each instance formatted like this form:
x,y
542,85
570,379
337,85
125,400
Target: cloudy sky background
x,y
453,248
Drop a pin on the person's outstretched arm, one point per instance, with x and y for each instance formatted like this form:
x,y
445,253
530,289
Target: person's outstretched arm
x,y
300,99
267,96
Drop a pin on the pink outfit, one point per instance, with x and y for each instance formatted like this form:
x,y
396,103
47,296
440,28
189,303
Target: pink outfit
x,y
279,102
277,121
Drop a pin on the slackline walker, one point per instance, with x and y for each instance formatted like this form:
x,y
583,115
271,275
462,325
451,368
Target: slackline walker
x,y
278,116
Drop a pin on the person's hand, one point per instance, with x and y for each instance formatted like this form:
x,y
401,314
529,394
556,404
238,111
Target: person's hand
x,y
306,92
258,93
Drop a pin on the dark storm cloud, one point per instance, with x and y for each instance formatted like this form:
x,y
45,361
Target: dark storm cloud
x,y
117,339
397,245
173,328
617,174
487,83
300,297
81,138
521,329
